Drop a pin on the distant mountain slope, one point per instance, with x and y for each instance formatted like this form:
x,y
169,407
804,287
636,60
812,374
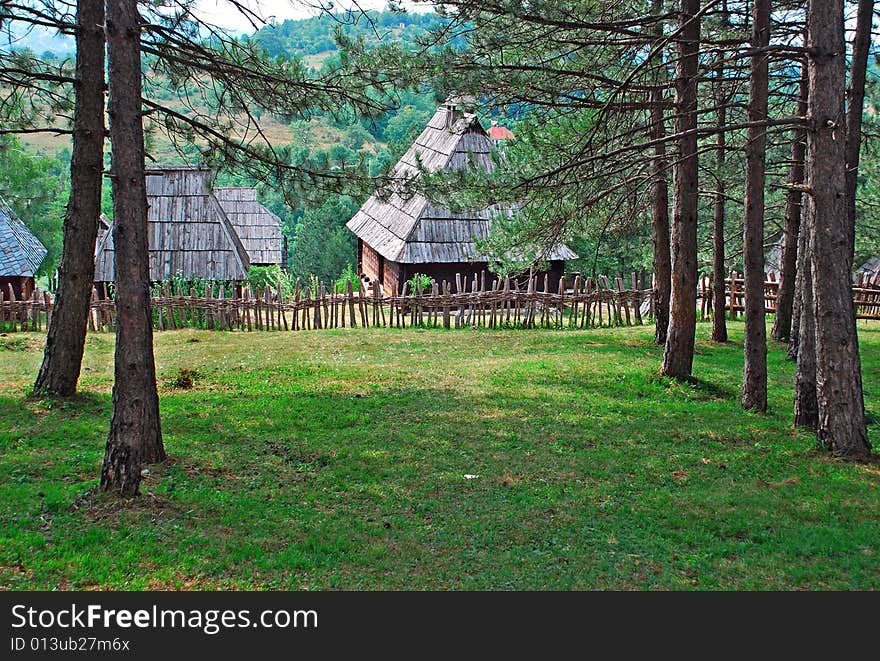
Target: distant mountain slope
x,y
40,40
310,36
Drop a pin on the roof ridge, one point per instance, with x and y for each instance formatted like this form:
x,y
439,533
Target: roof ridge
x,y
459,127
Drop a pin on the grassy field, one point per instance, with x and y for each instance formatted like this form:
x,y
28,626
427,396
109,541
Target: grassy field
x,y
394,459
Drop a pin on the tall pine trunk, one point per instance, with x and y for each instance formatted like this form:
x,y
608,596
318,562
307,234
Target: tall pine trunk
x,y
719,270
135,436
855,102
678,354
782,321
842,427
754,393
660,206
66,338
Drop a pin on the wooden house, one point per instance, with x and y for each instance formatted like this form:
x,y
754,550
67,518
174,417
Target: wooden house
x,y
402,233
871,266
258,228
189,233
21,254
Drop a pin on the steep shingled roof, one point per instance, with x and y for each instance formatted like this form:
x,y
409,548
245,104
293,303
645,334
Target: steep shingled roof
x,y
410,229
21,253
188,233
258,228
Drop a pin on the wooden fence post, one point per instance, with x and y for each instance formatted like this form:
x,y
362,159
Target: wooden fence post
x,y
637,298
460,315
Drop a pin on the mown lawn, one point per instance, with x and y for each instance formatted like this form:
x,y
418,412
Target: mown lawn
x,y
339,460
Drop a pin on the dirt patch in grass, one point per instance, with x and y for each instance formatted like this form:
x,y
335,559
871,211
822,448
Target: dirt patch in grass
x,y
18,343
184,379
301,461
97,506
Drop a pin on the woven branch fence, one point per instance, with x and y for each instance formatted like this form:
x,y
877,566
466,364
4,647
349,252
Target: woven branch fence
x,y
588,303
866,295
537,303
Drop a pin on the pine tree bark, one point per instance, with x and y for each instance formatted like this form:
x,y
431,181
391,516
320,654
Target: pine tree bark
x,y
782,322
855,103
660,208
135,436
803,342
66,337
842,428
678,354
719,270
754,392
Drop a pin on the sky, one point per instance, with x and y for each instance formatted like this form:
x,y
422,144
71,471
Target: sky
x,y
223,14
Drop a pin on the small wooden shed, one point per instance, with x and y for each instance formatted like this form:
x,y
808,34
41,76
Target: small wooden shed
x,y
258,228
21,254
400,235
189,233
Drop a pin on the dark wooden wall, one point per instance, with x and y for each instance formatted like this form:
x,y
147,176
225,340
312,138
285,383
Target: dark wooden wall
x,y
23,287
392,274
470,270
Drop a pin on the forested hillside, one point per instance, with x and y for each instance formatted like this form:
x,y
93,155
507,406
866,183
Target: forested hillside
x,y
33,174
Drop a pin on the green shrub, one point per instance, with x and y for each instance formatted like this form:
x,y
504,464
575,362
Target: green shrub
x,y
419,282
274,276
348,273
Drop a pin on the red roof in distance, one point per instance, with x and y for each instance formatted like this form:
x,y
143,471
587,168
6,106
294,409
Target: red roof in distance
x,y
500,133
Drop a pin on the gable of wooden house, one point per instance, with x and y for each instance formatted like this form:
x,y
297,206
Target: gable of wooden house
x,y
258,228
189,233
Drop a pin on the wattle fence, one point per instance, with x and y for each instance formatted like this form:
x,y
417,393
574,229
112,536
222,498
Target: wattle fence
x,y
532,303
866,295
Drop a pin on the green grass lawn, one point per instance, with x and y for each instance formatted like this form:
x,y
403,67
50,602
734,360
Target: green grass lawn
x,y
338,460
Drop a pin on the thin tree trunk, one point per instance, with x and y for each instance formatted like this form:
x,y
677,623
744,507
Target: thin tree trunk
x,y
678,354
135,436
660,208
806,406
66,338
842,428
754,393
782,322
719,271
855,102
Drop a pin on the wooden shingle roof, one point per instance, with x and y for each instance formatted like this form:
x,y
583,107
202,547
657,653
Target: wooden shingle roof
x,y
410,229
871,266
21,253
188,233
258,228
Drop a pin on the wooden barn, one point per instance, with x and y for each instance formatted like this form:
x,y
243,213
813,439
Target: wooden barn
x,y
258,228
189,232
21,254
401,235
